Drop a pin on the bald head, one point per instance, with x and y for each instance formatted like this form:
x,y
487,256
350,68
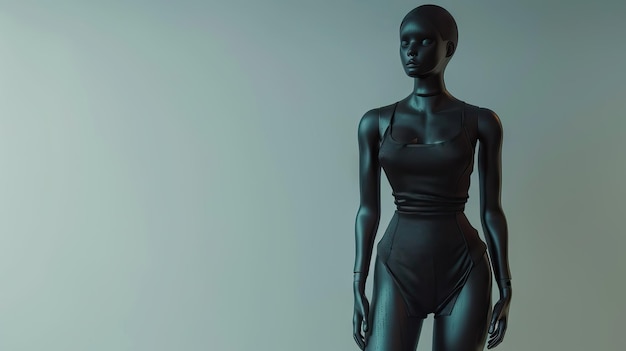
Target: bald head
x,y
439,18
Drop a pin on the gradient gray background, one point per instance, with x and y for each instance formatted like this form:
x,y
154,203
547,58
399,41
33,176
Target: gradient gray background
x,y
183,175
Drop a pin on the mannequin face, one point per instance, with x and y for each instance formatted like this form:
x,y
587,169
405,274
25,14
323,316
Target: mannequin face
x,y
422,50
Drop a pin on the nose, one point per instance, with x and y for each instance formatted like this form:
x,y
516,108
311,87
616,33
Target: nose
x,y
412,51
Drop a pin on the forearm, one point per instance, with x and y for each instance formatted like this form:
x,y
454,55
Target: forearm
x,y
365,232
496,235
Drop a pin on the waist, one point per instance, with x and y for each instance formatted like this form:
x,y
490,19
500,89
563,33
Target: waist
x,y
428,204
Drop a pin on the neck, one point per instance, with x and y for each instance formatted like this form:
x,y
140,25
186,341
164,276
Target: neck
x,y
428,93
431,85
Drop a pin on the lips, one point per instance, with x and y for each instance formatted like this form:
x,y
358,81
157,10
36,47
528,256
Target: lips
x,y
412,63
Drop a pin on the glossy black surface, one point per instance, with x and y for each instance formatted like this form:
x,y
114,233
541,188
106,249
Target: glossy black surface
x,y
425,143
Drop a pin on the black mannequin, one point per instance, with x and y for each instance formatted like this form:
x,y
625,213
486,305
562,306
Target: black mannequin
x,y
430,259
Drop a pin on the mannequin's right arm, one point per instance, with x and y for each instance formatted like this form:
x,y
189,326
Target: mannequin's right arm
x,y
368,215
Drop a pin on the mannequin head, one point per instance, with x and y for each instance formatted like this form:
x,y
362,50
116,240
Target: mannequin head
x,y
428,39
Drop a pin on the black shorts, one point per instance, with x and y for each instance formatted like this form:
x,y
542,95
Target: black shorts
x,y
430,257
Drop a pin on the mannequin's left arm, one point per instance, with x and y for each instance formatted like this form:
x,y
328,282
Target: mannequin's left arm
x,y
491,213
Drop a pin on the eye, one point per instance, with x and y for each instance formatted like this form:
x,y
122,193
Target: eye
x,y
404,43
427,41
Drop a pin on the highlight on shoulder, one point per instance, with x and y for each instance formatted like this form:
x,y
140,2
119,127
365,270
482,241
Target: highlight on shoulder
x,y
489,124
372,122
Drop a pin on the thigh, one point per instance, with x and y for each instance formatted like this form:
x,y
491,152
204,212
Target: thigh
x,y
391,329
465,329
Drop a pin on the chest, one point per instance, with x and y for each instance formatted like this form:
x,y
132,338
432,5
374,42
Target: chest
x,y
442,159
425,128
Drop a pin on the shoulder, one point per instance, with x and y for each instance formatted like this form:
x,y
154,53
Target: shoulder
x,y
489,125
371,120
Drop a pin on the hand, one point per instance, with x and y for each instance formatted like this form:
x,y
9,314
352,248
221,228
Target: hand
x,y
497,328
361,312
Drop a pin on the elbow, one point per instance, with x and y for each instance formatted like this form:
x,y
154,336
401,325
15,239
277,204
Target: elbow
x,y
366,222
494,224
367,211
493,214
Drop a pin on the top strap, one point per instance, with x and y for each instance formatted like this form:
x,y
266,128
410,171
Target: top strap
x,y
384,119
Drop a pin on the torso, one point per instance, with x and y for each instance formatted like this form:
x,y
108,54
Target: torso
x,y
429,246
432,174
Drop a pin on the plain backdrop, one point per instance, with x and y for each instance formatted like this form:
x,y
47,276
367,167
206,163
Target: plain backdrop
x,y
182,175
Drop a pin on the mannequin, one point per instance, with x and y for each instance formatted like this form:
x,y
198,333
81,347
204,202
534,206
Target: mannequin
x,y
430,259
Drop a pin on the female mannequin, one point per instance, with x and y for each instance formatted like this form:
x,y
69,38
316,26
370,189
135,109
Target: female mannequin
x,y
430,259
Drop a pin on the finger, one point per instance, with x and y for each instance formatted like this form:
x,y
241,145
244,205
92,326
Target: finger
x,y
356,327
359,342
493,340
501,331
359,338
495,320
365,330
493,336
497,338
495,316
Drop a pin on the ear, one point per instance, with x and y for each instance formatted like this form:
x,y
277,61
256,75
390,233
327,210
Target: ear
x,y
450,49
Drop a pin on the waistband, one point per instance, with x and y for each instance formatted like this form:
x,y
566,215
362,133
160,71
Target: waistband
x,y
428,204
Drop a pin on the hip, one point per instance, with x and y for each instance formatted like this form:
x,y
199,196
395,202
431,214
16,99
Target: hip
x,y
440,235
